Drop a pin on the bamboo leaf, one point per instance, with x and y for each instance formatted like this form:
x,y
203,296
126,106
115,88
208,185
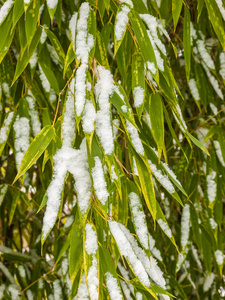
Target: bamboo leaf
x,y
157,120
176,10
35,150
187,41
23,61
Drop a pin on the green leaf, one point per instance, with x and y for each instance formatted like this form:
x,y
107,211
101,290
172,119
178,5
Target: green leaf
x,y
143,40
157,120
35,150
216,20
164,225
138,82
146,184
18,11
57,46
7,44
15,200
23,61
221,138
52,8
176,10
70,57
31,20
49,75
101,51
120,101
10,255
124,9
5,31
76,249
187,41
196,142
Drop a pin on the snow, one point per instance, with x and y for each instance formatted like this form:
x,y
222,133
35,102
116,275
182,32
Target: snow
x,y
135,170
204,54
79,168
29,294
43,34
139,296
55,189
74,161
4,10
52,96
211,186
135,138
222,64
194,89
182,124
213,108
221,291
68,125
124,108
6,89
82,290
103,90
150,265
126,290
185,226
72,26
213,223
21,128
54,55
219,257
163,179
3,190
84,43
151,67
99,181
52,4
65,265
113,287
219,152
91,244
92,279
33,60
21,270
155,252
80,89
121,21
122,237
57,290
14,291
139,219
44,81
139,95
5,128
113,173
2,289
165,227
125,275
35,122
88,118
213,81
221,8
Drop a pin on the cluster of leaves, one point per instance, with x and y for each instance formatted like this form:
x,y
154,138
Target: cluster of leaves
x,y
183,214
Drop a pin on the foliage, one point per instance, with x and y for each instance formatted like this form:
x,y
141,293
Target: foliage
x,y
112,149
